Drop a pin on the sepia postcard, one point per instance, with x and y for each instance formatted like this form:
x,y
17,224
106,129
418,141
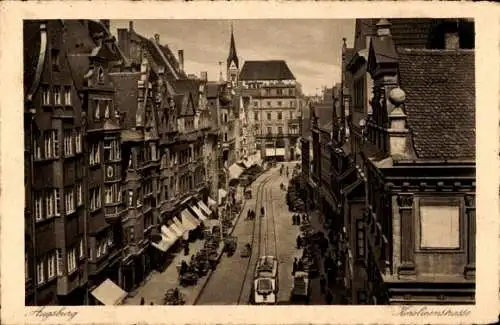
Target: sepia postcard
x,y
249,163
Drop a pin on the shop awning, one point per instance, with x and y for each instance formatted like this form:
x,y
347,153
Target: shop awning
x,y
235,171
247,163
275,152
211,202
198,213
108,293
204,208
164,244
169,233
177,227
189,221
222,195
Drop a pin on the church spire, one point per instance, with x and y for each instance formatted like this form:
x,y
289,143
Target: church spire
x,y
232,57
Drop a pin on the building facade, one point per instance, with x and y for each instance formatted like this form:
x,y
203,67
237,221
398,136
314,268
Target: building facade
x,y
408,207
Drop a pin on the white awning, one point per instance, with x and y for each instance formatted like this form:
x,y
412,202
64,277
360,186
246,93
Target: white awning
x,y
169,233
204,208
177,227
198,213
164,244
247,162
235,171
211,202
189,222
108,293
222,195
275,152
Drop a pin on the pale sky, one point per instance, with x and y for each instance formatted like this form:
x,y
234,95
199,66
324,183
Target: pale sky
x,y
311,48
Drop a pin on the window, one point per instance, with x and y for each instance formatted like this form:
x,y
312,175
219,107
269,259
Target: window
x,y
291,115
81,250
57,95
360,231
280,116
280,130
51,266
95,198
55,59
106,109
71,260
94,157
45,95
109,194
440,226
130,198
51,145
359,94
268,116
256,116
110,237
269,130
69,201
68,143
67,95
292,103
40,275
37,150
97,111
268,103
79,194
78,141
57,202
279,103
255,103
100,74
49,204
153,152
59,262
38,206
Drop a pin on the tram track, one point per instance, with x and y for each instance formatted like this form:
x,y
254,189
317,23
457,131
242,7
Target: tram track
x,y
258,219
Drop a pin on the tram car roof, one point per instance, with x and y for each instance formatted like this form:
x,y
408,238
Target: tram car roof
x,y
267,266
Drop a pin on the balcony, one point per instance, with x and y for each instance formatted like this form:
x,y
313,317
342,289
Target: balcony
x,y
293,121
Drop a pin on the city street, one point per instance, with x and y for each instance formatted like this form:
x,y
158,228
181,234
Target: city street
x,y
272,235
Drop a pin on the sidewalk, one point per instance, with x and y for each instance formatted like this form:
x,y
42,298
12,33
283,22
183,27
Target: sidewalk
x,y
317,222
155,286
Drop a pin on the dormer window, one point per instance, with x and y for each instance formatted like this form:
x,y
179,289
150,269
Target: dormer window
x,y
55,59
100,74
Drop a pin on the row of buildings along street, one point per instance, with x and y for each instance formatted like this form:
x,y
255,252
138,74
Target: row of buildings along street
x,y
146,184
128,157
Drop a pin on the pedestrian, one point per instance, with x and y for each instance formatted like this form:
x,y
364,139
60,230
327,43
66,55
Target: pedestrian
x,y
142,301
299,242
294,269
300,265
151,303
322,283
293,219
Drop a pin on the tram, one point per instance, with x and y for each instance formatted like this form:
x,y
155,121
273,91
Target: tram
x,y
265,284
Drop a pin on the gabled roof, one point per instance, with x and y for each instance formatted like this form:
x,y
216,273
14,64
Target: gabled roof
x,y
126,92
212,89
184,104
266,70
191,86
440,101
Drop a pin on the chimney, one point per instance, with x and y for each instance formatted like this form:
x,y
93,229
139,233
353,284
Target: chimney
x,y
157,38
130,25
124,41
106,23
383,28
399,135
181,59
204,75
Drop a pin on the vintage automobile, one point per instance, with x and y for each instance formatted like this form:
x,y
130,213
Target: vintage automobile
x,y
265,284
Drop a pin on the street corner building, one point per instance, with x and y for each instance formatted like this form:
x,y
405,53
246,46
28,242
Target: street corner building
x,y
394,174
118,149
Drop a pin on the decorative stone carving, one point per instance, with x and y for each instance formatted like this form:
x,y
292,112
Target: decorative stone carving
x,y
470,201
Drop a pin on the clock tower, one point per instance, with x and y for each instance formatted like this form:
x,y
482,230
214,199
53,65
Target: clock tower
x,y
232,62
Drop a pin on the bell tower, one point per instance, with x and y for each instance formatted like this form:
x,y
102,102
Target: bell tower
x,y
232,62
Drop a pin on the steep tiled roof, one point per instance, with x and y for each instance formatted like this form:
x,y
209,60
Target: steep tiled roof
x,y
32,43
440,101
126,92
212,90
266,70
184,86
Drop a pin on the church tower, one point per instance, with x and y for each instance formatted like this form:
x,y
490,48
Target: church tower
x,y
232,62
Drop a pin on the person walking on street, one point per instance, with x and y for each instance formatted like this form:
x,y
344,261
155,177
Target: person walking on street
x,y
299,242
142,301
294,268
300,265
